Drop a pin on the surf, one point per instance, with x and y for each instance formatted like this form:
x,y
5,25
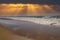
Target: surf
x,y
44,20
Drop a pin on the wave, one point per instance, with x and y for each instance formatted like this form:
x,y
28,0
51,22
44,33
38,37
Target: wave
x,y
44,20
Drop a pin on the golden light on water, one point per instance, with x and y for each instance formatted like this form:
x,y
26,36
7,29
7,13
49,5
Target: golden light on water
x,y
18,9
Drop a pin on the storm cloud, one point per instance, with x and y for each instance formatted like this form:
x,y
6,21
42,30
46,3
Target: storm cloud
x,y
32,1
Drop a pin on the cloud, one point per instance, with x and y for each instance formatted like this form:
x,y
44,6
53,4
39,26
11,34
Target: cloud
x,y
32,1
56,8
28,9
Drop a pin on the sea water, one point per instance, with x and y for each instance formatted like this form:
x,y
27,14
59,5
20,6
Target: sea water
x,y
44,20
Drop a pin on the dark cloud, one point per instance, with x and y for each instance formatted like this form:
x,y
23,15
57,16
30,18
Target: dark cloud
x,y
57,8
32,1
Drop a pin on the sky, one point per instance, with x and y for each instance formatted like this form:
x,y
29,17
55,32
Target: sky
x,y
29,7
32,1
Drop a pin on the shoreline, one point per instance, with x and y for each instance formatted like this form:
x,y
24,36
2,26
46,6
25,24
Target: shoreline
x,y
32,30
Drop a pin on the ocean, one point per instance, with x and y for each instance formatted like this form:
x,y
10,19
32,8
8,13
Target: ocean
x,y
44,20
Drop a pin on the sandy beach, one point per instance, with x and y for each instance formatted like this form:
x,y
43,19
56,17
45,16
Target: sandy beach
x,y
6,34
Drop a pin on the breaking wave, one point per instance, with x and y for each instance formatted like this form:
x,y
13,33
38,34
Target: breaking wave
x,y
44,20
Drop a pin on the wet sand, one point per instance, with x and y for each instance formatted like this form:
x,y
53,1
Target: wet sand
x,y
33,30
6,34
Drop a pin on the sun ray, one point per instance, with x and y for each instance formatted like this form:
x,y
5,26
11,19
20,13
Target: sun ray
x,y
18,9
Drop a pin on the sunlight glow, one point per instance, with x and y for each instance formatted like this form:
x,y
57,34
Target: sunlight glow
x,y
18,9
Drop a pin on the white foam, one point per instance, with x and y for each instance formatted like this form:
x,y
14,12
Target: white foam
x,y
44,21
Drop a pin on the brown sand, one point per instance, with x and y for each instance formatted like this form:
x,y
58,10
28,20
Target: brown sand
x,y
5,34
